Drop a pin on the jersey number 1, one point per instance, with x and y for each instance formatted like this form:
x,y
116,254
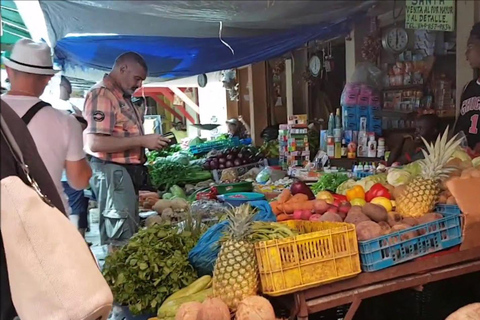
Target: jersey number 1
x,y
473,124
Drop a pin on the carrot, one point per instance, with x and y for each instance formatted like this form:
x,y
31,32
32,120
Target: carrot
x,y
298,198
274,205
307,205
289,208
284,196
284,217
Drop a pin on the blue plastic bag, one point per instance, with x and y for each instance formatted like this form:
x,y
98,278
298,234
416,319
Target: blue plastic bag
x,y
203,256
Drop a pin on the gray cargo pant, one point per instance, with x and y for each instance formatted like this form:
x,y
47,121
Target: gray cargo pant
x,y
117,202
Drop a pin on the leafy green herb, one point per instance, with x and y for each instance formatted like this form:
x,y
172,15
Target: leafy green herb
x,y
152,266
153,155
165,173
329,182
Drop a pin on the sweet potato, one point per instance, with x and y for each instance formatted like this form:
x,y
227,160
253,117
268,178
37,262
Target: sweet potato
x,y
356,217
442,198
355,209
385,227
429,217
451,200
406,235
284,196
410,221
368,230
331,217
149,203
375,212
393,218
320,206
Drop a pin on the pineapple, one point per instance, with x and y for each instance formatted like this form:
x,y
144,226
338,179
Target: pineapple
x,y
235,275
421,194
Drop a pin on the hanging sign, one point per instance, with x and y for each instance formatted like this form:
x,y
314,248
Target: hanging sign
x,y
432,15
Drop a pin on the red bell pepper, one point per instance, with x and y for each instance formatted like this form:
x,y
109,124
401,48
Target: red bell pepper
x,y
339,197
377,190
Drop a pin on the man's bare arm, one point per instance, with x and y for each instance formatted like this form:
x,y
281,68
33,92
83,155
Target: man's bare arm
x,y
78,173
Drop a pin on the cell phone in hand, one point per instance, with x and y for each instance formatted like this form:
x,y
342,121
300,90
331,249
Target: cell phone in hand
x,y
171,137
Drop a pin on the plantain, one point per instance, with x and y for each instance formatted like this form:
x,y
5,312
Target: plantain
x,y
196,286
169,309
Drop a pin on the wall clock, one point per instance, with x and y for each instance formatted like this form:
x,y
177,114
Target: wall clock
x,y
202,80
315,65
395,40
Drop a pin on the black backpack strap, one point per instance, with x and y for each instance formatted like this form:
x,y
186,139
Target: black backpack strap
x,y
28,116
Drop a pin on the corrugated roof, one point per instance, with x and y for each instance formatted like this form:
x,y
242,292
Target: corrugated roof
x,y
13,27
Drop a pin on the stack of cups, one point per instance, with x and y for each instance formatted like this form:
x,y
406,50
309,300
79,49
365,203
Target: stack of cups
x,y
381,148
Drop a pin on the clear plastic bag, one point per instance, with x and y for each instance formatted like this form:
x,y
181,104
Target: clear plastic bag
x,y
264,175
368,74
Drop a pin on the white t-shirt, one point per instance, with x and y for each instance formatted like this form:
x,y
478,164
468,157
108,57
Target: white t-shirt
x,y
58,137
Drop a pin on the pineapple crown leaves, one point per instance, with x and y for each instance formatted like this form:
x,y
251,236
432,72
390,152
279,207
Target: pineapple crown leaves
x,y
437,155
240,221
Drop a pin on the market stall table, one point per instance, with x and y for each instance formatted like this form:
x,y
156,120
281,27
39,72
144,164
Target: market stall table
x,y
366,285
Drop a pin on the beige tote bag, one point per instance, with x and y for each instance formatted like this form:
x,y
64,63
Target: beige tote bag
x,y
51,270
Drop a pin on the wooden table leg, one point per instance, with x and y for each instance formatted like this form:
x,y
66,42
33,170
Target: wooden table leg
x,y
353,308
301,310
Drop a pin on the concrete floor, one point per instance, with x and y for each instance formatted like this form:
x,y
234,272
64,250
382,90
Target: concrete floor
x,y
100,252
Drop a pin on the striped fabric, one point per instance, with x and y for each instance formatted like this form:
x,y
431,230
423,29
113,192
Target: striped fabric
x,y
108,112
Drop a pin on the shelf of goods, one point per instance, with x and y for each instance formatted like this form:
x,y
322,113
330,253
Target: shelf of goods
x,y
293,144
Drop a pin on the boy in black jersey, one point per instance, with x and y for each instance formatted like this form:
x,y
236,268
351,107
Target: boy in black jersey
x,y
469,117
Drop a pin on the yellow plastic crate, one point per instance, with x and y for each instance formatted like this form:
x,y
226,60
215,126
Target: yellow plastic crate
x,y
323,252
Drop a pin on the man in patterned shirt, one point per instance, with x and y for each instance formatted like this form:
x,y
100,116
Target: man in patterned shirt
x,y
115,140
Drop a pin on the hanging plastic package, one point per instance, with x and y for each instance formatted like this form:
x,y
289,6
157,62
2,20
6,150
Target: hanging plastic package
x,y
203,256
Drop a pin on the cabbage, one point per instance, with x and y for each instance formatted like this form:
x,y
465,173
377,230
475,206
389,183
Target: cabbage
x,y
365,184
476,162
413,168
461,154
344,186
377,178
397,177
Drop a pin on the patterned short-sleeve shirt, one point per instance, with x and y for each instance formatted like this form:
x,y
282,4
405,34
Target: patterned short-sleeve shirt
x,y
108,112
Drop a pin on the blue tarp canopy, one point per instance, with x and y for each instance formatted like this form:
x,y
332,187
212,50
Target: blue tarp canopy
x,y
184,38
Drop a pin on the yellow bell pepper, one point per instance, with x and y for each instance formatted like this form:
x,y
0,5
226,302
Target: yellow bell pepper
x,y
358,202
356,192
384,202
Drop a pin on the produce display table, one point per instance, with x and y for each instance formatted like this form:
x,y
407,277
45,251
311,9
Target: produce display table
x,y
366,285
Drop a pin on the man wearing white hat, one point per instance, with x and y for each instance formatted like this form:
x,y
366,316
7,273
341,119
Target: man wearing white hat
x,y
58,137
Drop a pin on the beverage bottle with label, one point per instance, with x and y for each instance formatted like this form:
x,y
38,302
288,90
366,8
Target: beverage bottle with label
x,y
338,121
331,124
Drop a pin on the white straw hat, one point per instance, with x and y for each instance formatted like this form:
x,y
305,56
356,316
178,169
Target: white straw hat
x,y
30,57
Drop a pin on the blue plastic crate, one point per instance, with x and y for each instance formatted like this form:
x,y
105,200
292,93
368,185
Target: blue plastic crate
x,y
448,209
392,249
